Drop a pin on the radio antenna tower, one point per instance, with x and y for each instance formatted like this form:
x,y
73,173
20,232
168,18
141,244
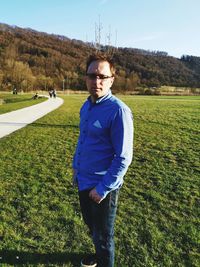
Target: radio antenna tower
x,y
98,29
109,36
108,40
116,38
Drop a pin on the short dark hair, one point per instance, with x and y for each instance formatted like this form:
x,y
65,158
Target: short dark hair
x,y
101,57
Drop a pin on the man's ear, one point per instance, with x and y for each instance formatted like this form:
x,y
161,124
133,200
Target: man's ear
x,y
112,81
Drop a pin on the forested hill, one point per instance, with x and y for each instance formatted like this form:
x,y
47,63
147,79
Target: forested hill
x,y
32,60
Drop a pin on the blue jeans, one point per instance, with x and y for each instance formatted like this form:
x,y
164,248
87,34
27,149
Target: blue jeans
x,y
100,219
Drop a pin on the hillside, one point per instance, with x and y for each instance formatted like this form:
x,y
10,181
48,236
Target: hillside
x,y
32,60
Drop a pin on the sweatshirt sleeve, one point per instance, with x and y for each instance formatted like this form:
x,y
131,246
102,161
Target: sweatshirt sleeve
x,y
121,134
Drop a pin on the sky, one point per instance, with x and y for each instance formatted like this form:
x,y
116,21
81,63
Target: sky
x,y
172,26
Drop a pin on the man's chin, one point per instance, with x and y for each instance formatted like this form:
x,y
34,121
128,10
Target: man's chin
x,y
95,90
95,96
96,93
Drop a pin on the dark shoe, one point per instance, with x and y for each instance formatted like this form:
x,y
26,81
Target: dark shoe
x,y
89,261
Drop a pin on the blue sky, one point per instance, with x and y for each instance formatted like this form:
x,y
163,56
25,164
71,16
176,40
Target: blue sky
x,y
172,26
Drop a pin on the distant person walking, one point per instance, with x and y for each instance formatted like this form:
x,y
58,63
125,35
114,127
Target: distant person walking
x,y
36,96
54,93
14,91
50,93
103,154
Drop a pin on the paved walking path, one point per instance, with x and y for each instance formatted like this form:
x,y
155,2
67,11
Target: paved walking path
x,y
15,120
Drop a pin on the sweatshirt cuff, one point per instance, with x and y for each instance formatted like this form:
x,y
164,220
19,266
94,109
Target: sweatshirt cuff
x,y
101,190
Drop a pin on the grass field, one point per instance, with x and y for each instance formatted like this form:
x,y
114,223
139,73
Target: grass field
x,y
158,217
10,102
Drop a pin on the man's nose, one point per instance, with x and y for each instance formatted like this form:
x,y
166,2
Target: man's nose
x,y
96,80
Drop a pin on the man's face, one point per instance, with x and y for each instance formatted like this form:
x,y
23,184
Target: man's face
x,y
99,79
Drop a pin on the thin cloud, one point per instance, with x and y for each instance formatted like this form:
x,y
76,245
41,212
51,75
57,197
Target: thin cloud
x,y
103,2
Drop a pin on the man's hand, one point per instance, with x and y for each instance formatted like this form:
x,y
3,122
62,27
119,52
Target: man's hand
x,y
95,196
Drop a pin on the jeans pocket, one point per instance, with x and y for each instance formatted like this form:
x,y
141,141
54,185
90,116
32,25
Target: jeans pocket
x,y
114,195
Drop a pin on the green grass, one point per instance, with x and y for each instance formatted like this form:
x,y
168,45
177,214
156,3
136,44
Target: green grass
x,y
10,102
158,216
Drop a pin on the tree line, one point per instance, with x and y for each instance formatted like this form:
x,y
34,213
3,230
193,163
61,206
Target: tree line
x,y
31,60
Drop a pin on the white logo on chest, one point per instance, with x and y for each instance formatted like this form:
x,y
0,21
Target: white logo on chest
x,y
97,124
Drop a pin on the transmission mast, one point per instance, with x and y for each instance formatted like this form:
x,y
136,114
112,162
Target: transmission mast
x,y
109,36
98,30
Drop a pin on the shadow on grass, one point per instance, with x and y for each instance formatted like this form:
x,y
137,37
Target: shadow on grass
x,y
15,258
36,124
43,125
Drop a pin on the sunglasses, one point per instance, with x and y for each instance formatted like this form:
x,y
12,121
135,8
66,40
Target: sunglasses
x,y
94,76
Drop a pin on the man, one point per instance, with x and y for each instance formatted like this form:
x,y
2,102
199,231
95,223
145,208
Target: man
x,y
103,154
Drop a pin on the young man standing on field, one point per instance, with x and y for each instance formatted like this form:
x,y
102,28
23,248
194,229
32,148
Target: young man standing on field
x,y
103,154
